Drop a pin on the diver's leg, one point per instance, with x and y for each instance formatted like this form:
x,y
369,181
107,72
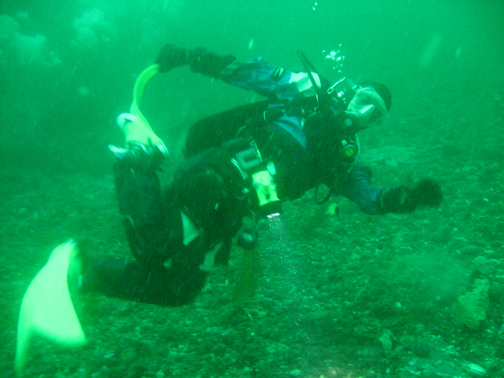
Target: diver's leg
x,y
147,222
213,131
139,197
138,193
174,286
153,229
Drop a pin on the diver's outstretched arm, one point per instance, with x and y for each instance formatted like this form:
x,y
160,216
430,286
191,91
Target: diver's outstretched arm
x,y
201,60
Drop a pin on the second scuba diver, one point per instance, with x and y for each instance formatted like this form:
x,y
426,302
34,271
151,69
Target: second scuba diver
x,y
241,163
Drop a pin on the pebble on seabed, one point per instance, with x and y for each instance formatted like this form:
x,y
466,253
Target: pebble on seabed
x,y
475,370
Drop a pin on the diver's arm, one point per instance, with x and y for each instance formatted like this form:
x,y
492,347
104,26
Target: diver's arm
x,y
257,75
358,189
400,199
201,60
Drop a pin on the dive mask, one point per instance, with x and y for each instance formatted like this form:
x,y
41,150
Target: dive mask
x,y
369,108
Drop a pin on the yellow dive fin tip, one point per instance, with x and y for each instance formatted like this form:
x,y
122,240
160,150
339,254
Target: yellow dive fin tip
x,y
140,82
47,308
143,133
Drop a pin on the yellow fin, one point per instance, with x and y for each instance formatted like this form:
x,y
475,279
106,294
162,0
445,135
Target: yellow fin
x,y
140,130
47,308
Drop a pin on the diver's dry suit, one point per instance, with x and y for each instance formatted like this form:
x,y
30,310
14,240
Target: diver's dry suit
x,y
175,238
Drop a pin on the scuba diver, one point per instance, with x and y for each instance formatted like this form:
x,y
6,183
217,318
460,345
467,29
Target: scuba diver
x,y
240,164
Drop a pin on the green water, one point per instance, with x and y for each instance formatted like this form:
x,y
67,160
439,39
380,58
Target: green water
x,y
355,296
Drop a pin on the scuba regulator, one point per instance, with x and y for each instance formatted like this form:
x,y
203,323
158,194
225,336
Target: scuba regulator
x,y
342,92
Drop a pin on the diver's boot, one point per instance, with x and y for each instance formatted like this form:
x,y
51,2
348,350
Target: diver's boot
x,y
143,148
139,155
136,129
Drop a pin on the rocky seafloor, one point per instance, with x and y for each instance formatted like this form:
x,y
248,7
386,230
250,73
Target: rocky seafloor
x,y
414,295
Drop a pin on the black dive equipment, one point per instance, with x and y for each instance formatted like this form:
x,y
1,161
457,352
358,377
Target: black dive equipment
x,y
218,130
337,95
332,103
342,91
341,126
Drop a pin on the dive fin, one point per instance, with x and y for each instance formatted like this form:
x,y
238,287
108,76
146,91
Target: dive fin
x,y
47,308
135,126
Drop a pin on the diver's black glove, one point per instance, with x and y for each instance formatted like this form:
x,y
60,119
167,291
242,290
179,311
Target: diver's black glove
x,y
139,156
172,56
201,60
402,199
209,63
